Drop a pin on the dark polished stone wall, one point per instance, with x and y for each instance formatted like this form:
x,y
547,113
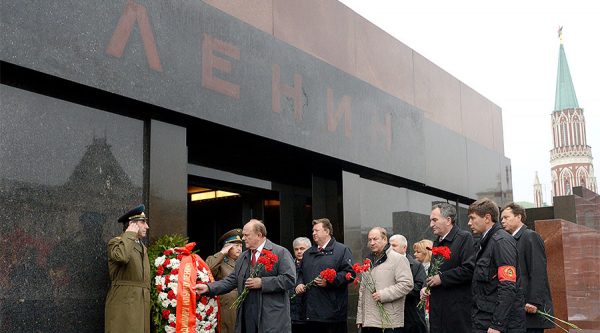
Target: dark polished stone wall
x,y
67,172
191,58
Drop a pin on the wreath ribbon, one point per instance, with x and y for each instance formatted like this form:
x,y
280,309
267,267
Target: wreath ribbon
x,y
186,296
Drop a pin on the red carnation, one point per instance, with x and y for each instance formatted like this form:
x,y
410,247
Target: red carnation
x,y
268,259
179,256
160,270
165,314
439,255
208,327
348,276
357,268
209,311
328,274
167,262
175,271
444,251
167,279
168,252
198,316
171,295
356,281
172,324
159,288
204,300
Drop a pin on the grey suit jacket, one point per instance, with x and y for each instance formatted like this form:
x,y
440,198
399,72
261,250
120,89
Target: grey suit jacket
x,y
274,299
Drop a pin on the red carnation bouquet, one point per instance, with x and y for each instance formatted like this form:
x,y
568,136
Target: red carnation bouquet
x,y
439,255
366,279
266,260
328,274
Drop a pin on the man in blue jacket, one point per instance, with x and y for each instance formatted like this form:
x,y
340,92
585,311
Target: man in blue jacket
x,y
326,304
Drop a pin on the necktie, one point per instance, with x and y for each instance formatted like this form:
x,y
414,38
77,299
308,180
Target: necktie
x,y
320,249
253,260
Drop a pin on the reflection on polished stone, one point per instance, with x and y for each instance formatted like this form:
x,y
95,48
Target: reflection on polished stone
x,y
59,210
573,253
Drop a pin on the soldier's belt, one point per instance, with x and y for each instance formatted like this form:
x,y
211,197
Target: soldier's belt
x,y
131,284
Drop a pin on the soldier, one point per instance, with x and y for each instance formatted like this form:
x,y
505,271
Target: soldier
x,y
222,264
127,307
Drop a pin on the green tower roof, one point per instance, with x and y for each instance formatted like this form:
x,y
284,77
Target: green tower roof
x,y
565,91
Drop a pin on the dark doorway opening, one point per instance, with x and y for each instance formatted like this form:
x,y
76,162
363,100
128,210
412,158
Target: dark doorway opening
x,y
215,207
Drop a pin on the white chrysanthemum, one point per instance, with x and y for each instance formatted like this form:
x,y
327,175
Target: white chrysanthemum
x,y
174,277
169,329
165,303
159,280
173,264
172,318
200,308
172,286
175,291
163,296
174,302
159,261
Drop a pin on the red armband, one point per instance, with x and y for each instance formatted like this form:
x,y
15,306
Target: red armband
x,y
507,273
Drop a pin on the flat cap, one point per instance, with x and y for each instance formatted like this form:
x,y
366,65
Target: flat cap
x,y
136,213
231,236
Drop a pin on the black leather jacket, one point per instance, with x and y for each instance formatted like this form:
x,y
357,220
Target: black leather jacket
x,y
497,302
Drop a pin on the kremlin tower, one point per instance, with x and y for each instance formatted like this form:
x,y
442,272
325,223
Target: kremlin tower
x,y
571,158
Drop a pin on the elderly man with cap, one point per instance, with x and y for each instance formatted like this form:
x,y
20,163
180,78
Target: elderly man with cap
x,y
222,264
128,301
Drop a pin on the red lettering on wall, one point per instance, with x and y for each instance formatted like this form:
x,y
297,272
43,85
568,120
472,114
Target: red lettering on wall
x,y
211,61
294,92
344,109
384,130
134,13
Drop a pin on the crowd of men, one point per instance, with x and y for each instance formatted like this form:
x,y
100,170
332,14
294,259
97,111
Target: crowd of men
x,y
496,284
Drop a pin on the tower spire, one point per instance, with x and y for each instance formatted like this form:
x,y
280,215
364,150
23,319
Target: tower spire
x,y
565,97
538,197
571,158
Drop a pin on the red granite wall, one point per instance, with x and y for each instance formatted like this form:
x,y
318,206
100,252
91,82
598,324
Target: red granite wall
x,y
573,253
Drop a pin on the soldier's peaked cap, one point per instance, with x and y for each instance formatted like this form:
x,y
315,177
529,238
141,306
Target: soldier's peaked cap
x,y
231,236
136,213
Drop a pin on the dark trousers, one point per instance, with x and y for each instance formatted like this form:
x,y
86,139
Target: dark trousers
x,y
315,326
535,330
300,328
250,313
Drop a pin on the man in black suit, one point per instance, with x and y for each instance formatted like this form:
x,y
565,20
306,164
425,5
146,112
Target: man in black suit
x,y
414,318
450,300
532,267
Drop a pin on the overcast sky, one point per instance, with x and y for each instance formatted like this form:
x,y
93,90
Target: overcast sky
x,y
507,51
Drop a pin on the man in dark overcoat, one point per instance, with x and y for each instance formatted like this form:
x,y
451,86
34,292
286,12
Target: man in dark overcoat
x,y
326,304
450,298
414,318
267,306
297,304
127,308
498,304
532,268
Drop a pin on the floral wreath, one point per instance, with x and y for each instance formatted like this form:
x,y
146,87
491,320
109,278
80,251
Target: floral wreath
x,y
166,282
